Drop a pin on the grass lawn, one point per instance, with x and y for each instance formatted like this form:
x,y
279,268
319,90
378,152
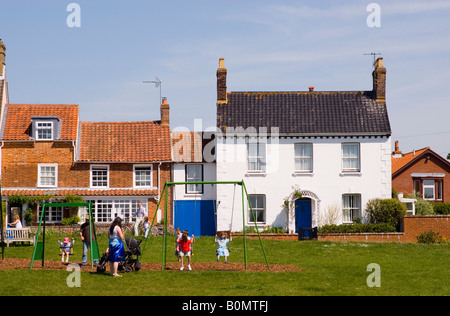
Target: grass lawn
x,y
327,268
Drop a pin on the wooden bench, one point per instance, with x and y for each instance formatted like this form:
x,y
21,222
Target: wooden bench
x,y
18,234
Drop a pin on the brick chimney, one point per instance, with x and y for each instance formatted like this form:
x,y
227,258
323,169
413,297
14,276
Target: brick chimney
x,y
397,153
221,82
165,115
379,81
2,57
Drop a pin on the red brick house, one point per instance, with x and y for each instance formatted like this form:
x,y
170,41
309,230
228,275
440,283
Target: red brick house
x,y
46,151
422,171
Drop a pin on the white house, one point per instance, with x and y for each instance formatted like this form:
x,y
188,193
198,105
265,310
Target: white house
x,y
307,158
194,207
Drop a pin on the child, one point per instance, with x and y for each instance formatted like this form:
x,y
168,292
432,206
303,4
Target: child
x,y
185,248
66,245
146,226
177,245
222,249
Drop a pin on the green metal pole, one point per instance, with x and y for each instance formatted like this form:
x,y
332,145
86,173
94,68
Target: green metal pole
x,y
43,235
165,231
91,241
37,238
153,221
243,222
257,230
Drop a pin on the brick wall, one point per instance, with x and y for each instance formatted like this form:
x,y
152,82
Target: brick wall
x,y
413,226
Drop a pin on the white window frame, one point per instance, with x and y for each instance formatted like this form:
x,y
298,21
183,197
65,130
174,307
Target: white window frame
x,y
260,157
358,169
54,214
135,180
43,128
256,209
354,211
91,177
198,187
105,208
303,157
54,165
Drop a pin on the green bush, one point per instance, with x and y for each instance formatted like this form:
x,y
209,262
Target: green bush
x,y
389,211
71,220
430,237
357,228
441,208
423,207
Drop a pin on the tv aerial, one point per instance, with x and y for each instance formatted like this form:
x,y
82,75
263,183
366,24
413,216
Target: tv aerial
x,y
158,84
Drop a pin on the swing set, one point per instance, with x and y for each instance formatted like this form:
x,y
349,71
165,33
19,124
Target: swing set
x,y
39,247
244,194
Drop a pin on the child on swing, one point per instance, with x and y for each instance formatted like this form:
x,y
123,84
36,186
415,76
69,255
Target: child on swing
x,y
222,242
185,248
177,245
65,248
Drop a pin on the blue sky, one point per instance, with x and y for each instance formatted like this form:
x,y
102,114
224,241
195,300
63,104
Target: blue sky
x,y
267,45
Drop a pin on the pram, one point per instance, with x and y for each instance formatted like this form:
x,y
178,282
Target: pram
x,y
130,261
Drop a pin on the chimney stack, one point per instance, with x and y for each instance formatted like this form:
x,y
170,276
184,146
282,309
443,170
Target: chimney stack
x,y
397,153
221,82
379,80
2,57
165,115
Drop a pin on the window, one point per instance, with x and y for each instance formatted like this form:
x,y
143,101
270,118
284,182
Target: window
x,y
351,206
99,176
104,211
428,189
258,203
350,157
257,157
44,130
194,173
303,157
143,176
47,175
52,214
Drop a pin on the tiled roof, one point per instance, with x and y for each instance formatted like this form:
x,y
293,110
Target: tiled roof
x,y
309,113
124,142
80,192
399,162
18,119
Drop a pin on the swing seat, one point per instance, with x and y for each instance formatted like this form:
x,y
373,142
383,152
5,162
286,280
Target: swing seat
x,y
62,248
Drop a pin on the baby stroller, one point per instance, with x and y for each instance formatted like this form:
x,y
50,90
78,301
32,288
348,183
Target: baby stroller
x,y
130,261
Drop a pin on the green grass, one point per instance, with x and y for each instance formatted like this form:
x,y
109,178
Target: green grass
x,y
327,268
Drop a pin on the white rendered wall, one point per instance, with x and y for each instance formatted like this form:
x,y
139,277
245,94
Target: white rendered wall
x,y
327,183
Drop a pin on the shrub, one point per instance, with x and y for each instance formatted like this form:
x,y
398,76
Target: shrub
x,y
423,207
430,237
357,228
389,211
71,220
442,208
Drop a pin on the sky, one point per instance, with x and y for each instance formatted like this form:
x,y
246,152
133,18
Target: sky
x,y
279,45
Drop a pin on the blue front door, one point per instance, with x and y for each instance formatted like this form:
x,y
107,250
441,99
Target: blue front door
x,y
303,215
197,217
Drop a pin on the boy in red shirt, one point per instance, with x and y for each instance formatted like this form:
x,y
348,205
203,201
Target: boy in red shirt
x,y
185,248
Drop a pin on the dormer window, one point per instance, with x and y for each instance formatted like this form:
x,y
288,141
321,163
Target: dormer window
x,y
45,128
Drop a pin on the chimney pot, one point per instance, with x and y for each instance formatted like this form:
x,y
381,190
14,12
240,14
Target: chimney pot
x,y
311,89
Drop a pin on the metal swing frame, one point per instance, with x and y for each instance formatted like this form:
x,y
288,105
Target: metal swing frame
x,y
165,193
39,247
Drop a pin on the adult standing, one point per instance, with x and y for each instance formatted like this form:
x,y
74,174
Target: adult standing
x,y
116,248
86,239
139,214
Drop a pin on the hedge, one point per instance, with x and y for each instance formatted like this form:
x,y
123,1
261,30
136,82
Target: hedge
x,y
357,228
